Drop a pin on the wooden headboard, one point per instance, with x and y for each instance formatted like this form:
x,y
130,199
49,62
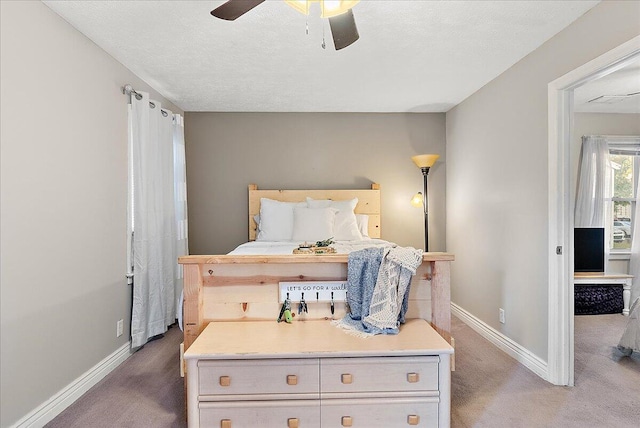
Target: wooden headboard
x,y
368,203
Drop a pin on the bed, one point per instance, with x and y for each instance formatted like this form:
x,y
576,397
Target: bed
x,y
238,358
244,285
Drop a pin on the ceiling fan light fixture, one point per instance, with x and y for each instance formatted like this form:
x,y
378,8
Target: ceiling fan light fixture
x,y
301,6
328,8
336,7
340,16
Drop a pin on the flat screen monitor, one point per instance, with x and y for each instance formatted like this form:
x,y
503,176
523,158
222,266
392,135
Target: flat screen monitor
x,y
588,249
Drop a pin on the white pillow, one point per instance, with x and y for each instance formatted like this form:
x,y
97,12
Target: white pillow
x,y
363,224
346,226
319,203
313,224
276,220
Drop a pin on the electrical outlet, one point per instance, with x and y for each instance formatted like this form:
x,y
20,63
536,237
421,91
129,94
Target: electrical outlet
x,y
119,328
501,315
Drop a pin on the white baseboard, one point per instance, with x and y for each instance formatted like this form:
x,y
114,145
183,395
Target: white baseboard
x,y
51,408
511,348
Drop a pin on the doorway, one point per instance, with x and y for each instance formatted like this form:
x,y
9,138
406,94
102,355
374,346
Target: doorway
x,y
561,209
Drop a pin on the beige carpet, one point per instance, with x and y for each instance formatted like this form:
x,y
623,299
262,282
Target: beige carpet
x,y
489,388
144,391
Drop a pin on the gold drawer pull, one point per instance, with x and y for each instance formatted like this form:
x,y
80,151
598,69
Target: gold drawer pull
x,y
293,423
347,421
346,379
413,419
225,423
292,380
413,377
225,381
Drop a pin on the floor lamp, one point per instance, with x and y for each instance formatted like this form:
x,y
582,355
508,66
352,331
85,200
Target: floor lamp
x,y
424,162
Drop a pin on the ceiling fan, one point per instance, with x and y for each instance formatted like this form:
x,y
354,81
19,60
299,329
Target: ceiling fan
x,y
341,20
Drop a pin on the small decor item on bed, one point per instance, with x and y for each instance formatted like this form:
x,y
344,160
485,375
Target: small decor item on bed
x,y
323,247
324,250
304,249
320,247
325,243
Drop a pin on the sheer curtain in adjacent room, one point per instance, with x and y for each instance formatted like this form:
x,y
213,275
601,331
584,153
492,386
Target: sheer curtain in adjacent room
x,y
634,262
608,184
158,216
593,200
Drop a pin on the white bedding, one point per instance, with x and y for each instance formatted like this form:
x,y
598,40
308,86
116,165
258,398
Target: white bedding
x,y
287,247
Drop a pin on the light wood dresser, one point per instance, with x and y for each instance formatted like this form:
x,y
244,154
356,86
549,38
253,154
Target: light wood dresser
x,y
312,374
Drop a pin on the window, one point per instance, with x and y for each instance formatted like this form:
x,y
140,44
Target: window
x,y
624,163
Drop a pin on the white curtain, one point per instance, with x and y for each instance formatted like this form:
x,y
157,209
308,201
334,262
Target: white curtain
x,y
634,263
593,201
180,192
594,183
159,228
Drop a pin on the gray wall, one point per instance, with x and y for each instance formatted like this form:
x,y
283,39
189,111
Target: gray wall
x,y
497,181
601,124
228,151
63,205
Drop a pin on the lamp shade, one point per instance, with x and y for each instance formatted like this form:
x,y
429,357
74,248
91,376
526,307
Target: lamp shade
x,y
417,200
425,161
329,8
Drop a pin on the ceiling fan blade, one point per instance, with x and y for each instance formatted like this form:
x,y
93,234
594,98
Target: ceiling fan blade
x,y
233,9
344,30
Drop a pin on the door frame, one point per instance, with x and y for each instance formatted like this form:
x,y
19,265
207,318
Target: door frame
x,y
560,366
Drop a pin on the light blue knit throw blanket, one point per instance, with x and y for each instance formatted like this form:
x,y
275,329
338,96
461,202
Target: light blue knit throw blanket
x,y
378,282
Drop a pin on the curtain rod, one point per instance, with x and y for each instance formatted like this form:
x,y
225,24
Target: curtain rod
x,y
128,90
620,137
617,139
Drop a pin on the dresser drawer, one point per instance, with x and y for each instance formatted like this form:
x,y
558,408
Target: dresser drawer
x,y
250,377
263,414
380,413
348,375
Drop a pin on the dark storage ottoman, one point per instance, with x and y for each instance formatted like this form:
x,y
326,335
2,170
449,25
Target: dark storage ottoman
x,y
598,299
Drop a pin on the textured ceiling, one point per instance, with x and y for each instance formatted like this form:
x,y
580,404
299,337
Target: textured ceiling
x,y
412,56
